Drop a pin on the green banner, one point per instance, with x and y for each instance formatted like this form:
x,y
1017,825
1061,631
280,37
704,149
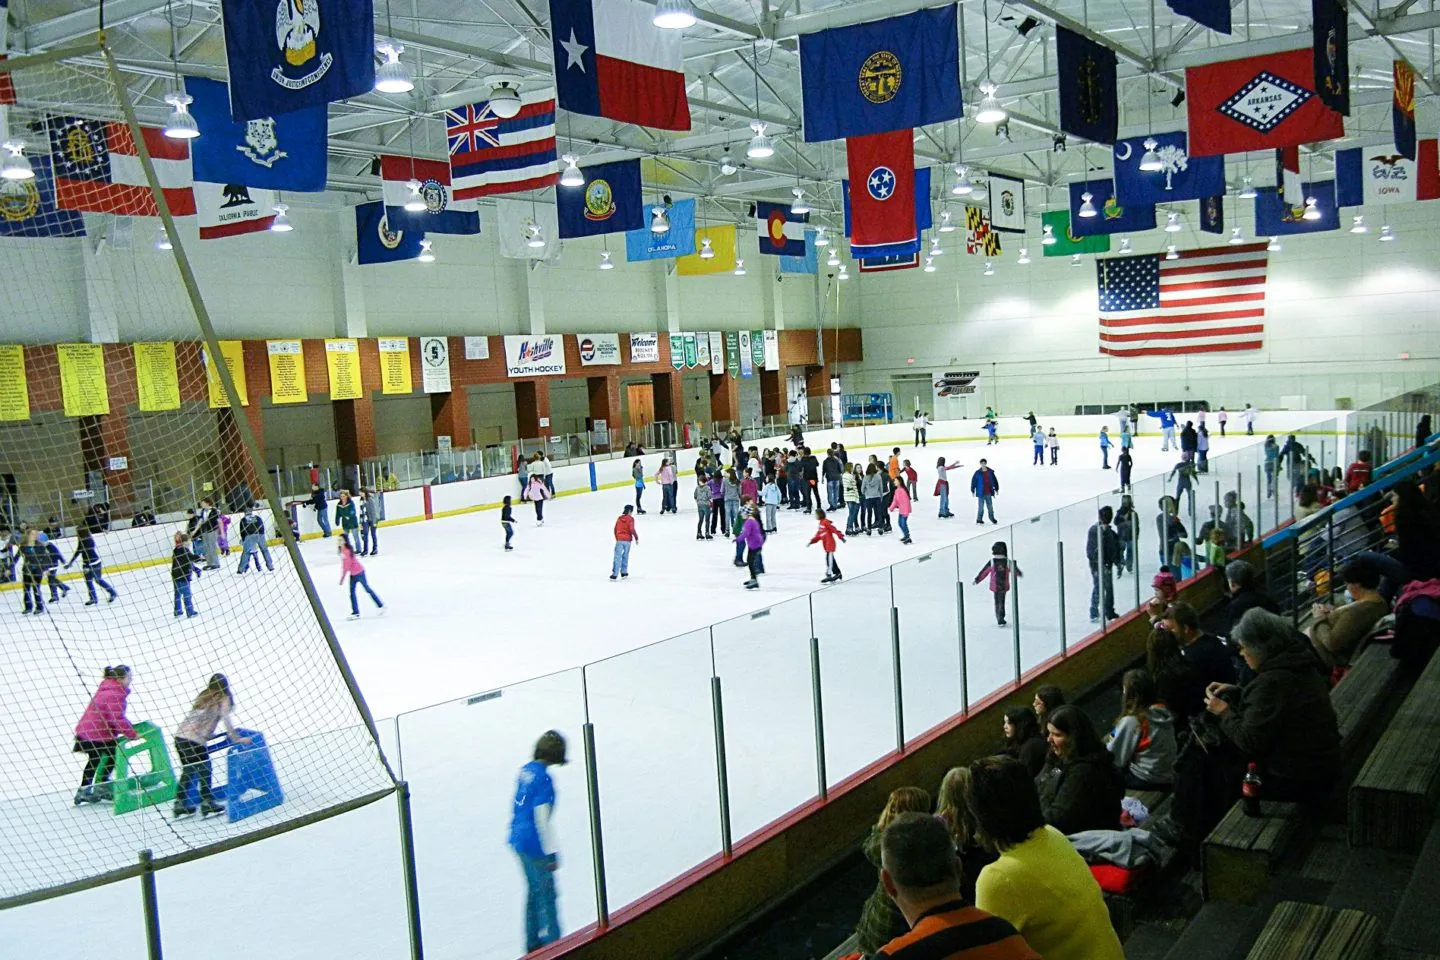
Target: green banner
x,y
732,352
677,350
757,349
692,352
1066,243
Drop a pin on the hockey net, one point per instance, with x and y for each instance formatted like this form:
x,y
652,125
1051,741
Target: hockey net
x,y
114,415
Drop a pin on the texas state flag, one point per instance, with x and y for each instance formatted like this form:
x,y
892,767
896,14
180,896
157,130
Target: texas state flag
x,y
612,61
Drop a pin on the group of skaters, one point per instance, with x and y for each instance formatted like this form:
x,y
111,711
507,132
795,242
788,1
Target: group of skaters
x,y
356,516
32,554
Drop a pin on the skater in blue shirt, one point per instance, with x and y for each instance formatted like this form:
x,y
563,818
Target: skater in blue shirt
x,y
533,840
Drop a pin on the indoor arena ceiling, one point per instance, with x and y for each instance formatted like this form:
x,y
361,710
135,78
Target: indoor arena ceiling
x,y
742,62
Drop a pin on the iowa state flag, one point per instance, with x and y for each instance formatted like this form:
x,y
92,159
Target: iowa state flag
x,y
882,195
287,55
1258,103
893,74
781,230
612,61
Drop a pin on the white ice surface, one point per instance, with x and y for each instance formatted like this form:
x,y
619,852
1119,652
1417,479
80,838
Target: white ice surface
x,y
463,617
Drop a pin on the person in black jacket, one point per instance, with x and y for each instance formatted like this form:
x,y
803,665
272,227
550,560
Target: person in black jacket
x,y
1243,582
1103,551
810,478
1206,653
1282,720
32,574
1422,430
1080,787
52,559
1023,740
144,518
89,557
794,479
1417,531
182,564
831,470
252,542
1189,442
317,501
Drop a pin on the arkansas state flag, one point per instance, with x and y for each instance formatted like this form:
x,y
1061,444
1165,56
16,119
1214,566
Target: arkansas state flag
x,y
882,201
782,231
1258,103
612,61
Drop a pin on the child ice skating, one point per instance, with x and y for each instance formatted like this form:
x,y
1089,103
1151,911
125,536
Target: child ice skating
x,y
89,557
1125,463
183,563
99,731
702,508
537,494
900,506
350,567
637,473
1001,573
252,542
828,535
754,539
770,495
1037,441
507,521
625,537
942,486
1053,442
985,485
52,560
1105,448
211,709
346,518
369,523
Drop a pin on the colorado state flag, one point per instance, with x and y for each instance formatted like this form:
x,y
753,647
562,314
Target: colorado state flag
x,y
286,55
892,74
781,230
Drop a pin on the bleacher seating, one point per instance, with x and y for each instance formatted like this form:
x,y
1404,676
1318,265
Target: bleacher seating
x,y
1392,800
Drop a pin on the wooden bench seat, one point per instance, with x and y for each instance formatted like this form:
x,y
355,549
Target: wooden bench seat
x,y
1308,931
1393,798
1242,852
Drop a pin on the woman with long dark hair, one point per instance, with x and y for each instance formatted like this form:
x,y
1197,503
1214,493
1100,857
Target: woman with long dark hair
x,y
1023,740
1080,788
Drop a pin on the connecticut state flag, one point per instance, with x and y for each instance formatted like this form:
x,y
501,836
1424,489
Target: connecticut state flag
x,y
893,74
286,55
612,61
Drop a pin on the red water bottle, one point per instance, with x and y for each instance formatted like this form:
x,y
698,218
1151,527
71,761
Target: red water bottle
x,y
1250,792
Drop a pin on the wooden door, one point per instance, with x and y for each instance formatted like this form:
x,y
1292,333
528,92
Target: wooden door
x,y
640,405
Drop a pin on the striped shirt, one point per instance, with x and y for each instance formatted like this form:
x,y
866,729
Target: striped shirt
x,y
956,931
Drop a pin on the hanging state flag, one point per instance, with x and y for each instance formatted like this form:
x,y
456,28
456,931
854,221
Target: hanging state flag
x,y
1378,175
1402,110
1276,216
612,61
1110,215
609,202
489,155
1007,203
1066,243
28,209
808,262
1214,14
1212,214
781,229
521,223
442,213
980,236
1331,28
283,152
1183,177
877,77
721,243
7,83
678,241
882,205
1258,103
229,209
97,169
376,241
1204,301
294,54
1088,105
922,206
1288,187
1427,163
900,261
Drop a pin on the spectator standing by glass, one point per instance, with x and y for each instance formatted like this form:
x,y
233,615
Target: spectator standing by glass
x,y
533,840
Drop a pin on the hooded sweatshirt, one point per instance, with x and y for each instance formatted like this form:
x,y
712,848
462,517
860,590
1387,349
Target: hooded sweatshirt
x,y
1146,745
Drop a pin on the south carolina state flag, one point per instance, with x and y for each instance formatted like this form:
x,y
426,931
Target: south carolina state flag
x,y
612,61
1258,103
882,198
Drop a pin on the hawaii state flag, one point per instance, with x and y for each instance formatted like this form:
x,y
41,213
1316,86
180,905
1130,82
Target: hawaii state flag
x,y
882,198
1258,103
781,230
442,213
489,155
97,169
612,61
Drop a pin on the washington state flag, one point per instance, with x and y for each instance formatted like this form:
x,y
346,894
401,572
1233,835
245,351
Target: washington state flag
x,y
1057,222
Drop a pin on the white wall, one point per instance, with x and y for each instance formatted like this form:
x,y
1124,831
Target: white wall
x,y
1341,311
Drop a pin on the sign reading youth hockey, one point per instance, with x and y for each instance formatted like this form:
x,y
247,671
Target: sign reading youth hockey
x,y
598,349
534,356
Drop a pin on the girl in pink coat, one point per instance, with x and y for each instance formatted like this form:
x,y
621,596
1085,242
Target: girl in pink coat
x,y
538,493
100,730
350,567
900,504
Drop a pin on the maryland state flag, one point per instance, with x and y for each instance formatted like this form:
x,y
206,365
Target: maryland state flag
x,y
1402,111
980,237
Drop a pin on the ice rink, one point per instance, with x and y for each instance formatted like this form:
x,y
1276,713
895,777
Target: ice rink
x,y
464,618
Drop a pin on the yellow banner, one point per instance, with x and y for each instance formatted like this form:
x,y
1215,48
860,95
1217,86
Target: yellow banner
x,y
234,353
156,378
722,243
342,359
14,392
287,371
395,365
82,379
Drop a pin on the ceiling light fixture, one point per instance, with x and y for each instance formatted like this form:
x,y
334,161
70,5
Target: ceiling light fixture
x,y
1172,223
181,124
739,268
843,275
1247,189
1124,245
1087,209
1385,235
15,165
1358,225
1150,162
727,165
1048,240
1312,209
1235,238
834,259
605,262
929,264
281,223
392,76
571,176
537,236
1274,245
1074,259
659,222
673,14
163,241
990,110
963,186
504,95
760,146
799,207
947,222
822,239
1024,255
989,269
427,253
935,248
1170,253
415,202
707,252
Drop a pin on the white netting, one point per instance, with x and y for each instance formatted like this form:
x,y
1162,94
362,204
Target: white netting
x,y
100,433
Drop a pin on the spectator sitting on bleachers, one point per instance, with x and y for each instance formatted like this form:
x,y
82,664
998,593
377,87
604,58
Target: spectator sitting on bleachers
x,y
921,873
1047,698
1023,740
951,809
1166,589
1243,582
1335,632
1207,654
1143,740
1393,575
1176,682
1307,502
881,920
1417,531
1282,720
1038,883
1080,789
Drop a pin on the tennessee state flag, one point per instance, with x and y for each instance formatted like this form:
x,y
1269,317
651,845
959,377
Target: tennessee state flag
x,y
612,61
1258,103
882,194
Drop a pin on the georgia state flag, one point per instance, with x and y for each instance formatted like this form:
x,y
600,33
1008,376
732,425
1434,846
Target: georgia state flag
x,y
612,61
882,194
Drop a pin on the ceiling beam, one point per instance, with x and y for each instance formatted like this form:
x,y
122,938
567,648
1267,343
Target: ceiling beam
x,y
83,23
845,14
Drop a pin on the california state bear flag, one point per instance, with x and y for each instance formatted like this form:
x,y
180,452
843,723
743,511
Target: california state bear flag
x,y
228,210
882,193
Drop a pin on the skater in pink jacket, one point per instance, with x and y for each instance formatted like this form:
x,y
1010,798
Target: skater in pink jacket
x,y
900,503
101,728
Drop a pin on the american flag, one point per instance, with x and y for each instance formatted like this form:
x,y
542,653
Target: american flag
x,y
490,155
1200,302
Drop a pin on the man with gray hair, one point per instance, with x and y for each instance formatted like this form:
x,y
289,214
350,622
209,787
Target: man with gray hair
x,y
920,871
1282,720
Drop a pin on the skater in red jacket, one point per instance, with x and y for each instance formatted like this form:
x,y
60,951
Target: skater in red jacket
x,y
827,536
